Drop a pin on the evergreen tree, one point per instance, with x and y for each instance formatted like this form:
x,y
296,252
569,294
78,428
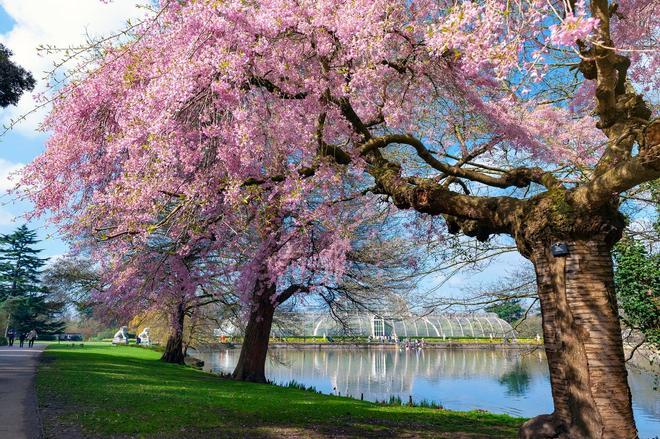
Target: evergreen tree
x,y
20,264
14,79
28,304
508,310
637,280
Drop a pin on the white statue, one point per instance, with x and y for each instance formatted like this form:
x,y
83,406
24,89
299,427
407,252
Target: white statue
x,y
121,337
144,337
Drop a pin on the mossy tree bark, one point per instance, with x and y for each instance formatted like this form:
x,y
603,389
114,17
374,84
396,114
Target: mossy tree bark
x,y
583,345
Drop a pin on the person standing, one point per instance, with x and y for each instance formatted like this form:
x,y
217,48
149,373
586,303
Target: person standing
x,y
11,335
21,338
32,336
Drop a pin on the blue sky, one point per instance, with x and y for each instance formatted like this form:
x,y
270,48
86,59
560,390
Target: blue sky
x,y
16,148
26,24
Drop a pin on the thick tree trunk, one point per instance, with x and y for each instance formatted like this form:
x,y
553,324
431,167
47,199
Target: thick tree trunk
x,y
252,361
583,345
174,348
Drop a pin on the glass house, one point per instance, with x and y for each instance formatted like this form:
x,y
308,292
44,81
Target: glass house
x,y
367,324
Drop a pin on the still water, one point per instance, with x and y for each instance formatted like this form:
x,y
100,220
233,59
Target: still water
x,y
500,381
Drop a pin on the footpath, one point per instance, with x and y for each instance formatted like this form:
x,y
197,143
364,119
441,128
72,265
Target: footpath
x,y
19,418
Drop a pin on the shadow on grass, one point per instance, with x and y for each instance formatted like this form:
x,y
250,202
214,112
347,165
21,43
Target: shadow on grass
x,y
105,390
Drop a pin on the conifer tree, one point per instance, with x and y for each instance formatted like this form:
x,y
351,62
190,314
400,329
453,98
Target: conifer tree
x,y
22,296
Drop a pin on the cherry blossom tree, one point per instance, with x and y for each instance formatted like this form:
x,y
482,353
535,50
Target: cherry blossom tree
x,y
264,256
518,118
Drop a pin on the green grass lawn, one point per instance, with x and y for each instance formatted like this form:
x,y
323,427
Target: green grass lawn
x,y
109,391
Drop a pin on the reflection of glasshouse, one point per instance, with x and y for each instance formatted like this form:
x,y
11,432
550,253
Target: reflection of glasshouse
x,y
365,324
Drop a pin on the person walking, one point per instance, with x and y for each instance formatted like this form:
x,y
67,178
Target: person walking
x,y
32,336
21,338
11,335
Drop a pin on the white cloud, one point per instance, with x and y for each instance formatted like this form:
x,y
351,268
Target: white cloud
x,y
53,259
8,174
58,23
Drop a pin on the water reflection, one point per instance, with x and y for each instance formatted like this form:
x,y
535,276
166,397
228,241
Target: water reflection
x,y
500,381
516,381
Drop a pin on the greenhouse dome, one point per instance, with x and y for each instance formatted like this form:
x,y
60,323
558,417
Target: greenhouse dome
x,y
367,324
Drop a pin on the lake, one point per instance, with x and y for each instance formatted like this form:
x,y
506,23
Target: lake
x,y
500,381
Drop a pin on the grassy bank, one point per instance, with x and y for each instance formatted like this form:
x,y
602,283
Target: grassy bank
x,y
102,390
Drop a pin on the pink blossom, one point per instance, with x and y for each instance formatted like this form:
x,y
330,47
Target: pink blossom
x,y
201,131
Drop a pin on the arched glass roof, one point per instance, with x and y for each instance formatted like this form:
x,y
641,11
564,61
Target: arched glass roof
x,y
367,324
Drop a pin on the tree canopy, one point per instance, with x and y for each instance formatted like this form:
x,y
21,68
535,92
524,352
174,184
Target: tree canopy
x,y
20,265
236,126
22,296
214,104
14,79
508,310
637,279
73,280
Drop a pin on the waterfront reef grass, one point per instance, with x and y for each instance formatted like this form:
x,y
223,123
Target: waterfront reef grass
x,y
99,390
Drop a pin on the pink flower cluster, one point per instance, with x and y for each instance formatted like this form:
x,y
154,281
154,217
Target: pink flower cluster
x,y
576,25
186,151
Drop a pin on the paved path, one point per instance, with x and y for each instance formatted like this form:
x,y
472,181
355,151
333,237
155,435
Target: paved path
x,y
19,418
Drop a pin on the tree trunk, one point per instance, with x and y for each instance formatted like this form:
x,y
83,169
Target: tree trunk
x,y
174,348
583,345
8,323
252,361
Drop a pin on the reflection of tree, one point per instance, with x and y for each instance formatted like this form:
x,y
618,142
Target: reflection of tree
x,y
516,380
644,386
380,373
